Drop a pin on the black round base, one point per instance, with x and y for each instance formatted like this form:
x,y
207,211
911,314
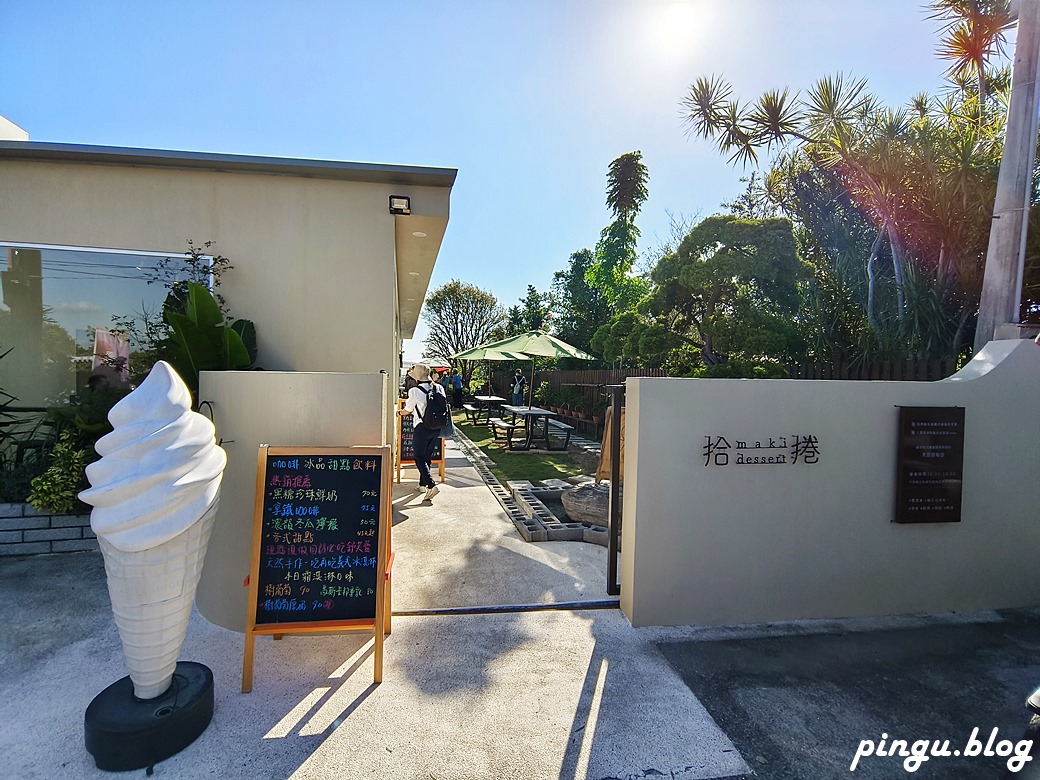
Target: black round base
x,y
124,732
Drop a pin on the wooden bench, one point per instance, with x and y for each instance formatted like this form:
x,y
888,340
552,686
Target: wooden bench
x,y
556,425
502,430
472,413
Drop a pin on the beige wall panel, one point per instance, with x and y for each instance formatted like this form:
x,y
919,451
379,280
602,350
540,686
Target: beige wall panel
x,y
251,408
314,259
756,543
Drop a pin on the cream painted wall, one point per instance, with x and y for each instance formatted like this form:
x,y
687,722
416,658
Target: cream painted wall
x,y
714,545
314,258
9,131
305,250
251,408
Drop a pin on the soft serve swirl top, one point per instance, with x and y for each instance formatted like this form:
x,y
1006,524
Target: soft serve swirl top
x,y
160,467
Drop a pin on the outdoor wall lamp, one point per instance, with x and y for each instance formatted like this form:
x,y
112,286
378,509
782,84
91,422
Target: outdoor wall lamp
x,y
400,204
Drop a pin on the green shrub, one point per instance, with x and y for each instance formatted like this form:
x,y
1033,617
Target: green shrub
x,y
201,339
56,490
736,368
572,398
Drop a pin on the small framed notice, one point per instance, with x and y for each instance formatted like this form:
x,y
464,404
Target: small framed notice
x,y
321,559
930,470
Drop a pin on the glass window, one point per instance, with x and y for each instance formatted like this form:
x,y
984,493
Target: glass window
x,y
64,314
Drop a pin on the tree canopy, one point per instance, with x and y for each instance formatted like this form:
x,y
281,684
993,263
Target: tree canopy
x,y
531,313
736,284
598,285
460,316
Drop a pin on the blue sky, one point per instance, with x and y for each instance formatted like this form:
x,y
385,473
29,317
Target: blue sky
x,y
529,99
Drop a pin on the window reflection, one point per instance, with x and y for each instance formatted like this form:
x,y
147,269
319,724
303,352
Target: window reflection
x,y
63,317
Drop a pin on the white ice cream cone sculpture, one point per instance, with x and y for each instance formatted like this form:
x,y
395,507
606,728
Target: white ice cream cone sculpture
x,y
155,493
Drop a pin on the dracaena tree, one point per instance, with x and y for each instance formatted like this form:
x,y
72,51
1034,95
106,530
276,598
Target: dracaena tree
x,y
973,34
923,175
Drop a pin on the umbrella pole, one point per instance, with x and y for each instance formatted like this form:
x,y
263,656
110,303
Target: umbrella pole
x,y
530,386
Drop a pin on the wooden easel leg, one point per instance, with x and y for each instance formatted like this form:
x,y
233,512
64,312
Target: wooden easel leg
x,y
247,663
377,676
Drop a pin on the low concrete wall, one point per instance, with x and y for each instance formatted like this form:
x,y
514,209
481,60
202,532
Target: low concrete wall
x,y
24,530
704,543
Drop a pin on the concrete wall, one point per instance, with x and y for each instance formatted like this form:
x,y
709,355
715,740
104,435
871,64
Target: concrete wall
x,y
710,544
315,266
278,408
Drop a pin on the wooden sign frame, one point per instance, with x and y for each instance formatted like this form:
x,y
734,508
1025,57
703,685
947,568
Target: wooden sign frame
x,y
400,446
379,624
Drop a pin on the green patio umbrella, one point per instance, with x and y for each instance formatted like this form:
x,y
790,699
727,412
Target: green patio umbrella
x,y
486,352
535,343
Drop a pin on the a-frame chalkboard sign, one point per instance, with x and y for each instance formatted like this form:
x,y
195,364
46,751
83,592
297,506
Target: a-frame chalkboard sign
x,y
404,445
321,545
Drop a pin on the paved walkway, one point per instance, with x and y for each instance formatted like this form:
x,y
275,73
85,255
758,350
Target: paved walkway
x,y
535,695
526,695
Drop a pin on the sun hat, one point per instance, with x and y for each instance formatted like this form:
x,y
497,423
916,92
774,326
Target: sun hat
x,y
420,372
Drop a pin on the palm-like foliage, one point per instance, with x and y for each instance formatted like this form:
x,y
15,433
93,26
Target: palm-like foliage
x,y
924,174
974,31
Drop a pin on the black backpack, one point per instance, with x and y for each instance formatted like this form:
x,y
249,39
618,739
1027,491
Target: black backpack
x,y
437,415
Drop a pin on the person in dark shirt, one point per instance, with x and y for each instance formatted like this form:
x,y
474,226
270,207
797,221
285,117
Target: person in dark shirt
x,y
456,389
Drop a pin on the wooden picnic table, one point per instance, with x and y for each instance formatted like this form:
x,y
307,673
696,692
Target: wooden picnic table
x,y
485,404
535,420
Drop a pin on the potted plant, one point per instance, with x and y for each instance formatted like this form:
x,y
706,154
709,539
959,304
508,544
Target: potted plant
x,y
201,339
542,395
570,399
552,401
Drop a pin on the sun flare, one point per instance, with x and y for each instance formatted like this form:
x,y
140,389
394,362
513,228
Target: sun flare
x,y
678,24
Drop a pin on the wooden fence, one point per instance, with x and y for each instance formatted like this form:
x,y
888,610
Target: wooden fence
x,y
896,370
587,382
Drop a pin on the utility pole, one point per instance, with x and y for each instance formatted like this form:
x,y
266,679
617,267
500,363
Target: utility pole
x,y
1005,256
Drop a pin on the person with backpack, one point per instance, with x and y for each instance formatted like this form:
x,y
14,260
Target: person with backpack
x,y
518,387
428,406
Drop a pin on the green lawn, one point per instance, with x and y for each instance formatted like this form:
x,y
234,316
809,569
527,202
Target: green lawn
x,y
533,466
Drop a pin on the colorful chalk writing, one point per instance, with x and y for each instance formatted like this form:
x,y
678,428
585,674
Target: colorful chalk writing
x,y
319,545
